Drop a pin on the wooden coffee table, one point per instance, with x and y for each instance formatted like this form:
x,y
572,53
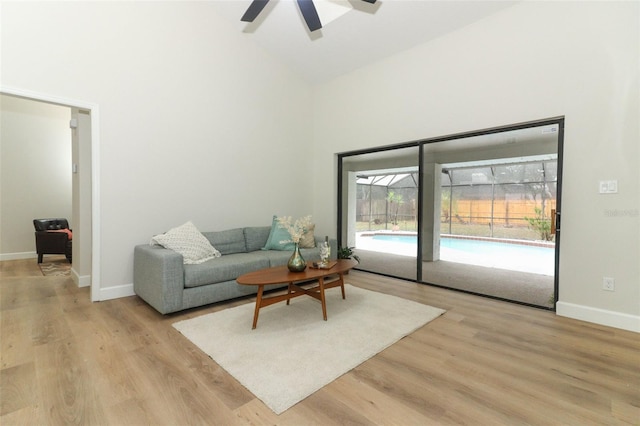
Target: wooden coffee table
x,y
281,274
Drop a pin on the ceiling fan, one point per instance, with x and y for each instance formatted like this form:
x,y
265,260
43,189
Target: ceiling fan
x,y
307,9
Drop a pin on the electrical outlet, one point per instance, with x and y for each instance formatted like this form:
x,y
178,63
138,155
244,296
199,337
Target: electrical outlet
x,y
608,284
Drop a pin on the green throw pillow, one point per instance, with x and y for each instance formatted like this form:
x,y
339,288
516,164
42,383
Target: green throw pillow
x,y
276,235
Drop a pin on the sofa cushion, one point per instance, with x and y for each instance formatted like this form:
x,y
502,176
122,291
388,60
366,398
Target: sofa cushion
x,y
227,242
189,242
277,235
223,269
256,237
308,239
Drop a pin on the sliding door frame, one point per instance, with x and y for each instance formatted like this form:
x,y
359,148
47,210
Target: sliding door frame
x,y
559,121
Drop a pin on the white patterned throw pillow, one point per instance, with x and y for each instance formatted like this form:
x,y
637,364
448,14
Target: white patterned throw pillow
x,y
189,242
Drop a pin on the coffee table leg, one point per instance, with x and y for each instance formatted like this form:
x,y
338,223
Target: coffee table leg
x,y
342,284
322,299
258,303
289,292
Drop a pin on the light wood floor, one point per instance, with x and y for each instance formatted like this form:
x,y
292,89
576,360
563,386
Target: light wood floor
x,y
65,360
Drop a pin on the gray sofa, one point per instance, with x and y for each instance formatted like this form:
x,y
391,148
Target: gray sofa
x,y
162,279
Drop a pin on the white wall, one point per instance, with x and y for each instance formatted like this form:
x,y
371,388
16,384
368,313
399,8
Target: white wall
x,y
196,122
532,61
35,171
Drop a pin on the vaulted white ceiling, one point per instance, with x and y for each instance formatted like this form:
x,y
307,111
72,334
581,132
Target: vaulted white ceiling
x,y
360,37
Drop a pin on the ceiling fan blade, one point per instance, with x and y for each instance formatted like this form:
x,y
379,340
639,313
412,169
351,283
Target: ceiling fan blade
x,y
310,14
370,1
254,10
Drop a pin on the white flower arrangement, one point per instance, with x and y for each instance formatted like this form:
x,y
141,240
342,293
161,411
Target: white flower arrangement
x,y
296,229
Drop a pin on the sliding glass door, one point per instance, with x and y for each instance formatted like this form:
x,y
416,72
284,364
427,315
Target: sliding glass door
x,y
488,214
380,210
473,212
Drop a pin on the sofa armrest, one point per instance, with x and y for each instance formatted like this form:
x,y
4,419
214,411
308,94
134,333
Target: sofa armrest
x,y
158,277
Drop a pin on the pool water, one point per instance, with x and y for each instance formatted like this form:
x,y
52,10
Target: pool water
x,y
517,257
496,247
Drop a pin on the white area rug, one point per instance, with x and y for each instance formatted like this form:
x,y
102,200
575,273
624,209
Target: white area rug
x,y
293,352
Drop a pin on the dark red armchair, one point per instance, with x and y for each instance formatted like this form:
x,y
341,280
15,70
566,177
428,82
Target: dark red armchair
x,y
53,236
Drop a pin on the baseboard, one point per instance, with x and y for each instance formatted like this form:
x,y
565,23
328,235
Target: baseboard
x,y
116,292
599,316
19,256
80,280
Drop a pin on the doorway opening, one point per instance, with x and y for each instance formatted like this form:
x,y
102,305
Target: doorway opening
x,y
85,186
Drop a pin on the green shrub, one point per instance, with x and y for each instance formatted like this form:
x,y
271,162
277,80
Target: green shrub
x,y
541,224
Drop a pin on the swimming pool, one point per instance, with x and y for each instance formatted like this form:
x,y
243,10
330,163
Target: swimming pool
x,y
495,254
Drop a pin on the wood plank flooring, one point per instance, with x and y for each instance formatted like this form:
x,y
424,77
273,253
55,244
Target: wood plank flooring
x,y
65,360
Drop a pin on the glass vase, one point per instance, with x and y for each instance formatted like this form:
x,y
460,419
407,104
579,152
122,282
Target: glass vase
x,y
296,262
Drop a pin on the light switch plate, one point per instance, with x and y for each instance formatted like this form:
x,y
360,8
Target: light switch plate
x,y
608,186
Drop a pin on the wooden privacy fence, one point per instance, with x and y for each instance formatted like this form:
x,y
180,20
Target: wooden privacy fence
x,y
504,213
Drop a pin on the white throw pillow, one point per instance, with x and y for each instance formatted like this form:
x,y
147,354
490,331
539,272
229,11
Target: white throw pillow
x,y
308,239
189,242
